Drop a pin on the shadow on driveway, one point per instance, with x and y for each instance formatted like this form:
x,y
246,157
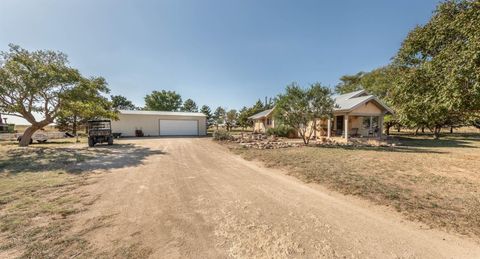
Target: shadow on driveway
x,y
73,159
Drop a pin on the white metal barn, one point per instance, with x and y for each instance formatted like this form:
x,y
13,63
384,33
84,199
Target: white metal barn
x,y
160,123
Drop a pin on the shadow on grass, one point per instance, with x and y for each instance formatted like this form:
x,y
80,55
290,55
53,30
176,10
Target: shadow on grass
x,y
74,160
36,144
408,143
384,149
451,141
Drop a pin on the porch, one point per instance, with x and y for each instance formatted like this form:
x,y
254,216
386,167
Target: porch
x,y
352,126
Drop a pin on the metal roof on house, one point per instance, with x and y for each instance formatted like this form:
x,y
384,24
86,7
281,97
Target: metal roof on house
x,y
344,102
161,113
349,101
260,115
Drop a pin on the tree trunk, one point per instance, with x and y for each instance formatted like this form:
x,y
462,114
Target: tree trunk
x,y
306,140
451,129
387,129
398,128
304,136
416,131
423,129
27,136
436,132
74,125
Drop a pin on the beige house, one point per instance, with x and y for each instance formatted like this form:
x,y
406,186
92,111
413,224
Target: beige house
x,y
160,123
262,121
357,114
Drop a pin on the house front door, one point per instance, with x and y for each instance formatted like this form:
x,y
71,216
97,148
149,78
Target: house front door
x,y
339,127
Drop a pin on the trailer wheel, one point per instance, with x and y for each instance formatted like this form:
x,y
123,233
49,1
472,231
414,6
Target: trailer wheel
x,y
110,141
91,142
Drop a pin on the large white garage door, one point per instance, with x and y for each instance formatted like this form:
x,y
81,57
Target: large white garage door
x,y
178,128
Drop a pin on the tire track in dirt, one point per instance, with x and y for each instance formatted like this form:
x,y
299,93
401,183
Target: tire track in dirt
x,y
199,200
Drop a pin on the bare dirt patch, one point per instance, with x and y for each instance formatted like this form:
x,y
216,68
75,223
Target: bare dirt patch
x,y
195,199
434,182
189,198
41,189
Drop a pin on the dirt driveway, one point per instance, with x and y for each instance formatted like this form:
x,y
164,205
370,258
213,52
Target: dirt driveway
x,y
195,199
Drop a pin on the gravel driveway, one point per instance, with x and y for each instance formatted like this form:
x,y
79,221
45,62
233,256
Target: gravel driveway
x,y
193,198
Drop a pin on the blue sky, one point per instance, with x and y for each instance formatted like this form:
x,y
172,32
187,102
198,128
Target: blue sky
x,y
218,52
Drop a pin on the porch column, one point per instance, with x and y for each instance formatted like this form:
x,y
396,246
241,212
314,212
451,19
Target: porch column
x,y
380,125
329,127
346,126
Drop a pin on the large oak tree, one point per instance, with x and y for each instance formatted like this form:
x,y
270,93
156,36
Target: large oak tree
x,y
41,82
439,83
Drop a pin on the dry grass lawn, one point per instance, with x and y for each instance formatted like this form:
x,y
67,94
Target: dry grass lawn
x,y
434,182
40,192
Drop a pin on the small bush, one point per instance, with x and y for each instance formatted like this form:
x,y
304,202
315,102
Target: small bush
x,y
281,131
222,135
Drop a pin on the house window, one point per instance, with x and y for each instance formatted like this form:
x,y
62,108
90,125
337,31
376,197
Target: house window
x,y
374,122
366,123
269,121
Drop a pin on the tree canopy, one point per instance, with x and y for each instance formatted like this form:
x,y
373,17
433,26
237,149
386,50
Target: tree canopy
x,y
208,112
219,116
299,107
189,106
42,82
377,82
350,83
243,115
246,112
85,102
163,101
120,102
439,64
231,119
